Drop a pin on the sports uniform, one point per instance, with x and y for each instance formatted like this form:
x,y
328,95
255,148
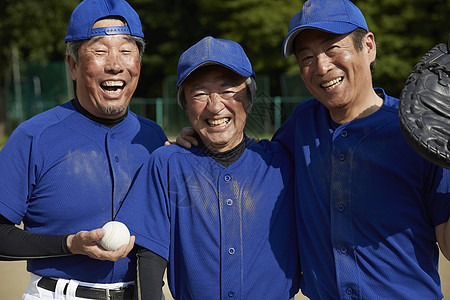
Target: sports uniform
x,y
222,213
228,232
69,170
367,206
67,173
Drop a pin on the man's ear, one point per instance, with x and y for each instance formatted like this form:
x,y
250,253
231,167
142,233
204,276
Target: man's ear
x,y
371,46
72,67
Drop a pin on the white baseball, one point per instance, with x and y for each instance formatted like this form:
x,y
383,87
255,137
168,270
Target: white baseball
x,y
117,234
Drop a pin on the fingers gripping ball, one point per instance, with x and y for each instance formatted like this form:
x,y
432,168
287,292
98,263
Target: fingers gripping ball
x,y
117,234
424,107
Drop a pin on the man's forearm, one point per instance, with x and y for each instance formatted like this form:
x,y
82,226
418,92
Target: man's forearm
x,y
18,244
150,273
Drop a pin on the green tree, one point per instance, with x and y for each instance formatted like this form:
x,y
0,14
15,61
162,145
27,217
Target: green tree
x,y
174,25
404,31
37,30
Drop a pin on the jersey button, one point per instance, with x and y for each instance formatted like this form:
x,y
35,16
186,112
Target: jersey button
x,y
231,293
341,207
231,251
344,250
349,291
344,133
229,202
341,157
227,178
116,159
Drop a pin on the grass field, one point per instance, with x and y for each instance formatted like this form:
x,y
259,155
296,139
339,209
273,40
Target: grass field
x,y
14,279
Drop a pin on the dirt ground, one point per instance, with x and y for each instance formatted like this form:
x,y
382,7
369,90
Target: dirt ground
x,y
14,279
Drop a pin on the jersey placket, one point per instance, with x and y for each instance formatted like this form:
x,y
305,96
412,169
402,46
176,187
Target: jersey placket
x,y
341,215
231,236
119,170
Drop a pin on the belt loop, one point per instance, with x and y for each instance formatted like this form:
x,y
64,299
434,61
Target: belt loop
x,y
71,290
60,288
108,297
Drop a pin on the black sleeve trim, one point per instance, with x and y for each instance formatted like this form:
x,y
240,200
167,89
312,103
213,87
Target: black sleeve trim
x,y
18,244
150,273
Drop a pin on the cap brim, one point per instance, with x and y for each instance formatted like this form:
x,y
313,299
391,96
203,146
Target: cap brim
x,y
333,27
240,71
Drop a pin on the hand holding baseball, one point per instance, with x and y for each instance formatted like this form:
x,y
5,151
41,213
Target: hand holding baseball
x,y
87,243
116,235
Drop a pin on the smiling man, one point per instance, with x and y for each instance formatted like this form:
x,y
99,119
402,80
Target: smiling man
x,y
370,210
220,124
68,171
106,70
222,213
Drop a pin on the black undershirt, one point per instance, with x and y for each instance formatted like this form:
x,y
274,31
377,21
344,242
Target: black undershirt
x,y
110,123
226,158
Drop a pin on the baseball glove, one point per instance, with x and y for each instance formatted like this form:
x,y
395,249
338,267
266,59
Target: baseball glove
x,y
424,107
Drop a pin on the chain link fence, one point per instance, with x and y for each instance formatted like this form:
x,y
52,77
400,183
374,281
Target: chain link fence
x,y
40,87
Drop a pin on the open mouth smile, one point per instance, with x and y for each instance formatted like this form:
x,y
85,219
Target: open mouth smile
x,y
331,84
112,87
218,122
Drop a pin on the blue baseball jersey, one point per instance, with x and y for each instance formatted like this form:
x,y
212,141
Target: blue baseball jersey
x,y
227,232
62,173
367,206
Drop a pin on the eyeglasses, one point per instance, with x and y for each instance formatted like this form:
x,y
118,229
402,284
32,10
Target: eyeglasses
x,y
203,95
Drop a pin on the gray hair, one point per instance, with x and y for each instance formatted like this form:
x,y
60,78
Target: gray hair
x,y
251,91
73,47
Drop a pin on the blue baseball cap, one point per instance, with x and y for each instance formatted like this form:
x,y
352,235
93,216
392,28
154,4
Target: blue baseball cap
x,y
90,11
211,51
336,16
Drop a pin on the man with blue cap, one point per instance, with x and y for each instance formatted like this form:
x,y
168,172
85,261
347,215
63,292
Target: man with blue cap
x,y
221,213
370,209
68,171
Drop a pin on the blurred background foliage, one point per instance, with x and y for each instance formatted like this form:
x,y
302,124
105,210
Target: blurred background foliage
x,y
34,31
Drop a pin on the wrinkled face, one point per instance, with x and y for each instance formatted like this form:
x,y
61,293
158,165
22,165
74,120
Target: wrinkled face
x,y
333,70
107,72
216,105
